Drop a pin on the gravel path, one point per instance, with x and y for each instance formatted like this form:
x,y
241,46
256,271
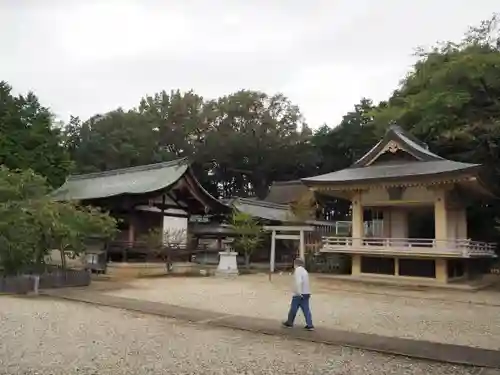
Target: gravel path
x,y
447,321
64,338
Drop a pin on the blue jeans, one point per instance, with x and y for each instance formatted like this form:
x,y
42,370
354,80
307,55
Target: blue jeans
x,y
301,302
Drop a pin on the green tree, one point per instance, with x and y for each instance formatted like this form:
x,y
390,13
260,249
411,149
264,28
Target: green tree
x,y
29,138
452,93
342,145
117,139
339,147
31,224
248,234
70,225
451,101
238,144
256,139
181,122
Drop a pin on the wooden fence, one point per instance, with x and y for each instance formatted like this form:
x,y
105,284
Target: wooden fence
x,y
53,278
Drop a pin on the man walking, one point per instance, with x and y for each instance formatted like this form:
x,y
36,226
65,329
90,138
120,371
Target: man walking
x,y
301,296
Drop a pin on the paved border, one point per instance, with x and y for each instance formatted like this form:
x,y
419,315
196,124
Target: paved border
x,y
456,354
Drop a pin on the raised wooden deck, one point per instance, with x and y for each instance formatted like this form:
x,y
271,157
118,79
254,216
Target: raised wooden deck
x,y
424,247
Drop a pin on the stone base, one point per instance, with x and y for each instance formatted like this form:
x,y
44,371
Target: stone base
x,y
227,264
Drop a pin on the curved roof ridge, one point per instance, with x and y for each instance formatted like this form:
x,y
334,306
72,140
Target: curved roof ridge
x,y
286,182
410,136
262,203
138,168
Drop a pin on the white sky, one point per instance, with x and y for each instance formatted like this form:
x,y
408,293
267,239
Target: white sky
x,y
87,57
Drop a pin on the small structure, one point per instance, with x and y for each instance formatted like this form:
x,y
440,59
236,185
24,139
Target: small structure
x,y
209,240
284,232
228,265
280,219
265,211
162,195
421,199
96,261
286,192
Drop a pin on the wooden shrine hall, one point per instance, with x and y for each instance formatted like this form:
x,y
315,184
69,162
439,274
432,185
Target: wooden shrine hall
x,y
162,195
421,200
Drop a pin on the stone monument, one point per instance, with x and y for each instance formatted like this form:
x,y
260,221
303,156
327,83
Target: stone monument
x,y
227,260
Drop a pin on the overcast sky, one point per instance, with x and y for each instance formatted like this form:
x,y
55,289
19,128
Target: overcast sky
x,y
86,57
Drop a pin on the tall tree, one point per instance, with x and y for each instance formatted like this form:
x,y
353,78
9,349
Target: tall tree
x,y
179,120
239,144
451,100
339,147
29,137
342,145
453,90
117,139
257,139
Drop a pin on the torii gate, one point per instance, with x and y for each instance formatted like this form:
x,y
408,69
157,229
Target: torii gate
x,y
277,234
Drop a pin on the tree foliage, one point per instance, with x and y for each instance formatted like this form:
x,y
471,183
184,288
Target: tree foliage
x,y
31,224
248,232
29,138
451,100
239,143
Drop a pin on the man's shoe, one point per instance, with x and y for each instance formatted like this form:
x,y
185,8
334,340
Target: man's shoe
x,y
286,325
309,328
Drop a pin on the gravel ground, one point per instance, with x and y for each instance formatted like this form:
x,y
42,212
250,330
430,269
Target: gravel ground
x,y
447,321
64,338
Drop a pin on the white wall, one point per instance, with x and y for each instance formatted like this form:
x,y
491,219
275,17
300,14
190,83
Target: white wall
x,y
395,223
175,229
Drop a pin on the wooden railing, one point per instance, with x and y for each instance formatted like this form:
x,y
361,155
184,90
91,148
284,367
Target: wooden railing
x,y
463,247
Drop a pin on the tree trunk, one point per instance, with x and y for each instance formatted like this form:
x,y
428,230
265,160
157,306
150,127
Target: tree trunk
x,y
247,260
63,259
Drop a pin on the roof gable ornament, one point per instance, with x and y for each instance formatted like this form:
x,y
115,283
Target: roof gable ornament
x,y
392,147
396,139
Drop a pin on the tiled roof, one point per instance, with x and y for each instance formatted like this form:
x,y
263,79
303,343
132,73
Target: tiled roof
x,y
128,181
286,192
264,210
424,163
391,171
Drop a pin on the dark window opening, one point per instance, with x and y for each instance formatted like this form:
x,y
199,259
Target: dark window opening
x,y
378,265
417,267
456,268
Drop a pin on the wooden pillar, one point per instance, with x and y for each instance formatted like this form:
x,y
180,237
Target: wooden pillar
x,y
130,238
302,246
441,271
163,234
461,220
131,232
357,221
440,218
356,265
272,260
